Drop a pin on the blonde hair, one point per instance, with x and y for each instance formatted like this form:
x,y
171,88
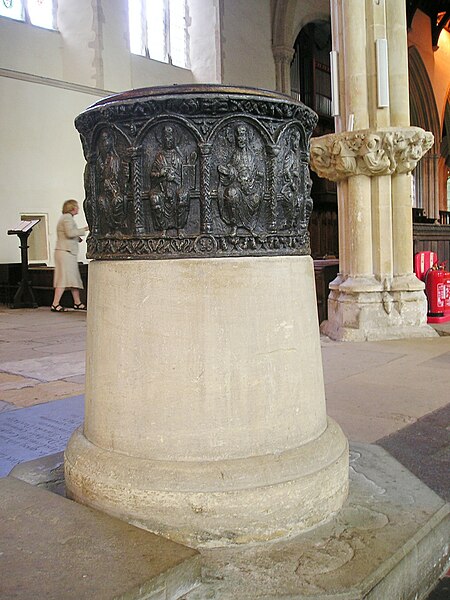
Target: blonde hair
x,y
69,205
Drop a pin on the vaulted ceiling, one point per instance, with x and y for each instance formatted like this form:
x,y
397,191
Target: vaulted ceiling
x,y
437,10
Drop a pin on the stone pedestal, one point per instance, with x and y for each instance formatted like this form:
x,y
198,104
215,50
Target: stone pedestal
x,y
205,413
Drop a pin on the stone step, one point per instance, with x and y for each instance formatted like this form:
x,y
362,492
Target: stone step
x,y
53,548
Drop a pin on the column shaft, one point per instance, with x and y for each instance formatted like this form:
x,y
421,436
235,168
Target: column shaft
x,y
398,63
356,98
382,227
360,226
283,57
402,224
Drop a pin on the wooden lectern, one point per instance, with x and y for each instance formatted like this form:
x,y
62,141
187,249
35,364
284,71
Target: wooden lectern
x,y
24,297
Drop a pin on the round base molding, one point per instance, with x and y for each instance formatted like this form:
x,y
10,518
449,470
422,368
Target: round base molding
x,y
215,503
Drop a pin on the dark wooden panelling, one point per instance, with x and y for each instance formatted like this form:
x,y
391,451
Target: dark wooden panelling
x,y
323,228
325,271
435,238
41,278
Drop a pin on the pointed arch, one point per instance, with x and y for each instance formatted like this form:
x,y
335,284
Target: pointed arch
x,y
288,17
282,23
424,114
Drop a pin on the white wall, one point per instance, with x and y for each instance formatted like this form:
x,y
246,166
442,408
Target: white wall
x,y
247,57
42,163
48,77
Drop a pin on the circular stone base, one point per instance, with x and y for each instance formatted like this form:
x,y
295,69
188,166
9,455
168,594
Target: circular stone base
x,y
215,503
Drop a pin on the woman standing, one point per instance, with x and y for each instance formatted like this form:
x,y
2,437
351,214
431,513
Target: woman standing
x,y
67,274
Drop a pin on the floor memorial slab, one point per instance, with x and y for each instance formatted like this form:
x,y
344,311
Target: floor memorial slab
x,y
56,549
37,431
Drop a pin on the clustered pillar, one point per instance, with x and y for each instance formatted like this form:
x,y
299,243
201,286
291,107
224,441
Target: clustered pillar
x,y
376,295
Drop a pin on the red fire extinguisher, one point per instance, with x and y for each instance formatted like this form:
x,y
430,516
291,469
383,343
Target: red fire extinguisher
x,y
437,289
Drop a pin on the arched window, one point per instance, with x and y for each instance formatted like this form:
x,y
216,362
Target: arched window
x,y
158,30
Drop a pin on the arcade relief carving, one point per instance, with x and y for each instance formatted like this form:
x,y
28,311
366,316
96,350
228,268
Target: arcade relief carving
x,y
207,171
241,176
368,152
172,178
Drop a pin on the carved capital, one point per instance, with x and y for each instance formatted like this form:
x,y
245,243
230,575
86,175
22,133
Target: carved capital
x,y
369,152
283,54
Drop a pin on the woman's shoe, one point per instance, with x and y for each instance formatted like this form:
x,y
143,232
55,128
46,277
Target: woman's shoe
x,y
80,306
57,308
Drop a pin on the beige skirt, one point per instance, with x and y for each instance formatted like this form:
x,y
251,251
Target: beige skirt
x,y
67,273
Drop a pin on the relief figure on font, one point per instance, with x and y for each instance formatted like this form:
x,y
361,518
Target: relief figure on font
x,y
171,179
110,173
240,184
295,192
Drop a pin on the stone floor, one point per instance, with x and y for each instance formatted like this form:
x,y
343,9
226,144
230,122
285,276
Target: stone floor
x,y
393,393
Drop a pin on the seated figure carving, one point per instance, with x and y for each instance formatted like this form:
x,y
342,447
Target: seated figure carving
x,y
240,192
171,181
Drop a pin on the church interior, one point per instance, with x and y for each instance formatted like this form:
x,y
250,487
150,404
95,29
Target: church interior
x,y
255,404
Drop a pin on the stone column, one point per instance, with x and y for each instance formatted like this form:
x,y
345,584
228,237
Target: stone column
x,y
359,218
205,414
396,31
376,295
283,56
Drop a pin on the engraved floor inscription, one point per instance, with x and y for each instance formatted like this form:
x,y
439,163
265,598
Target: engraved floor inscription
x,y
37,431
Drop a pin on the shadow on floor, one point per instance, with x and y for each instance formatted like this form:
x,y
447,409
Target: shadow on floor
x,y
424,449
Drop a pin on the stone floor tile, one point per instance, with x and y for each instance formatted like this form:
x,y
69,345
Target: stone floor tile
x,y
424,448
81,379
60,347
7,407
60,550
9,381
338,363
43,392
384,400
48,368
12,351
360,428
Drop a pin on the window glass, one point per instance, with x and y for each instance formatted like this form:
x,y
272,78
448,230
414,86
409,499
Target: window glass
x,y
42,13
158,30
12,9
137,34
178,32
37,12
